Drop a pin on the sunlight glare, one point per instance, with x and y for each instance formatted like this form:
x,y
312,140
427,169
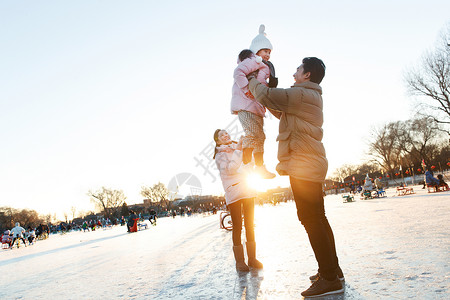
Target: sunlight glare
x,y
257,183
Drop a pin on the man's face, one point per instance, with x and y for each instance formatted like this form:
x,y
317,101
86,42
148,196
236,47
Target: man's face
x,y
300,76
264,53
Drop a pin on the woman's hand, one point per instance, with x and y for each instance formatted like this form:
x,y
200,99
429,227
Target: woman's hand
x,y
224,148
239,144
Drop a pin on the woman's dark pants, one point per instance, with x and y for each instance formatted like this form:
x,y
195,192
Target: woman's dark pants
x,y
246,206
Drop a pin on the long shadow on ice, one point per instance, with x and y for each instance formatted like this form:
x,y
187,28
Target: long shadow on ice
x,y
30,256
247,285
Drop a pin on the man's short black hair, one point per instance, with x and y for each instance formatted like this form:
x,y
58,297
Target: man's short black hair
x,y
316,67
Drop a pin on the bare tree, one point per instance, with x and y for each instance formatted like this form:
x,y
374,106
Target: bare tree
x,y
384,145
157,193
367,168
108,200
73,210
344,171
430,81
420,139
48,218
9,216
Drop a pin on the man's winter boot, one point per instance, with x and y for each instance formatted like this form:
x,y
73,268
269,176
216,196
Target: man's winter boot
x,y
239,257
322,287
251,252
340,275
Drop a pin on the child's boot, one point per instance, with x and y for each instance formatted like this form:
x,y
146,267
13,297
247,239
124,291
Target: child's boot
x,y
260,167
261,170
251,252
239,257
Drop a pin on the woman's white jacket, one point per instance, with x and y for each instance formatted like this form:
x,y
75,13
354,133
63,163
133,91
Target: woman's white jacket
x,y
234,183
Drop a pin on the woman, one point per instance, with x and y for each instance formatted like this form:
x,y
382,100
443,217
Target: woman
x,y
239,198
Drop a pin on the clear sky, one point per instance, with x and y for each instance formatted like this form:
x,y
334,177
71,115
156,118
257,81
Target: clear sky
x,y
128,93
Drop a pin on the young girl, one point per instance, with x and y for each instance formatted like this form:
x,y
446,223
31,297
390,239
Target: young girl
x,y
249,111
238,196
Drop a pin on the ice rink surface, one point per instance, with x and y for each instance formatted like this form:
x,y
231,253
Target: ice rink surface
x,y
396,247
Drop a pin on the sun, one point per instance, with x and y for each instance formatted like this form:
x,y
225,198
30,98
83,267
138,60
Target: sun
x,y
257,183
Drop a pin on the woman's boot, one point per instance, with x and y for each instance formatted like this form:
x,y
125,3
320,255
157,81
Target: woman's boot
x,y
239,256
251,252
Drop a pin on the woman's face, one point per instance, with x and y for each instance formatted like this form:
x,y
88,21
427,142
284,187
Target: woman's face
x,y
223,138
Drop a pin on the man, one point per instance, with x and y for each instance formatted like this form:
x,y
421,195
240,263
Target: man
x,y
302,157
152,217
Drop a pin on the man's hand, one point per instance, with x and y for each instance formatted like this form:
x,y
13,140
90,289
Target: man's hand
x,y
252,75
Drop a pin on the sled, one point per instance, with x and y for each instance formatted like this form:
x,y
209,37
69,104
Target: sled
x,y
348,198
142,226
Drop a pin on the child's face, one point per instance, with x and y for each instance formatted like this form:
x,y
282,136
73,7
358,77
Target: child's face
x,y
224,137
264,53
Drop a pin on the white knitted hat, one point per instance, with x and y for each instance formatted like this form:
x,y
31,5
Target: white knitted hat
x,y
260,41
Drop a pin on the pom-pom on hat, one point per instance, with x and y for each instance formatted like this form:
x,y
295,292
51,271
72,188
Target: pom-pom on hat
x,y
260,41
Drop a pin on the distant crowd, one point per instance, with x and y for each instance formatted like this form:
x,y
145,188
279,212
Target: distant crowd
x,y
19,236
27,237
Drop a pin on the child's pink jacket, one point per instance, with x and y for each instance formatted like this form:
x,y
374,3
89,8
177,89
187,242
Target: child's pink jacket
x,y
239,101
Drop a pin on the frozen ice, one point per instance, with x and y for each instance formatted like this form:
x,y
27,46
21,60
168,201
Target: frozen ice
x,y
393,248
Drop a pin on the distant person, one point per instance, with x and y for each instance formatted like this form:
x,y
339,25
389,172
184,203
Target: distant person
x,y
31,235
302,157
442,182
430,180
378,184
250,112
18,233
368,185
85,226
152,217
7,238
352,188
359,188
132,219
238,197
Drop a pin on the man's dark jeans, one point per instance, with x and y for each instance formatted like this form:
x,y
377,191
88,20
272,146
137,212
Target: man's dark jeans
x,y
311,213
